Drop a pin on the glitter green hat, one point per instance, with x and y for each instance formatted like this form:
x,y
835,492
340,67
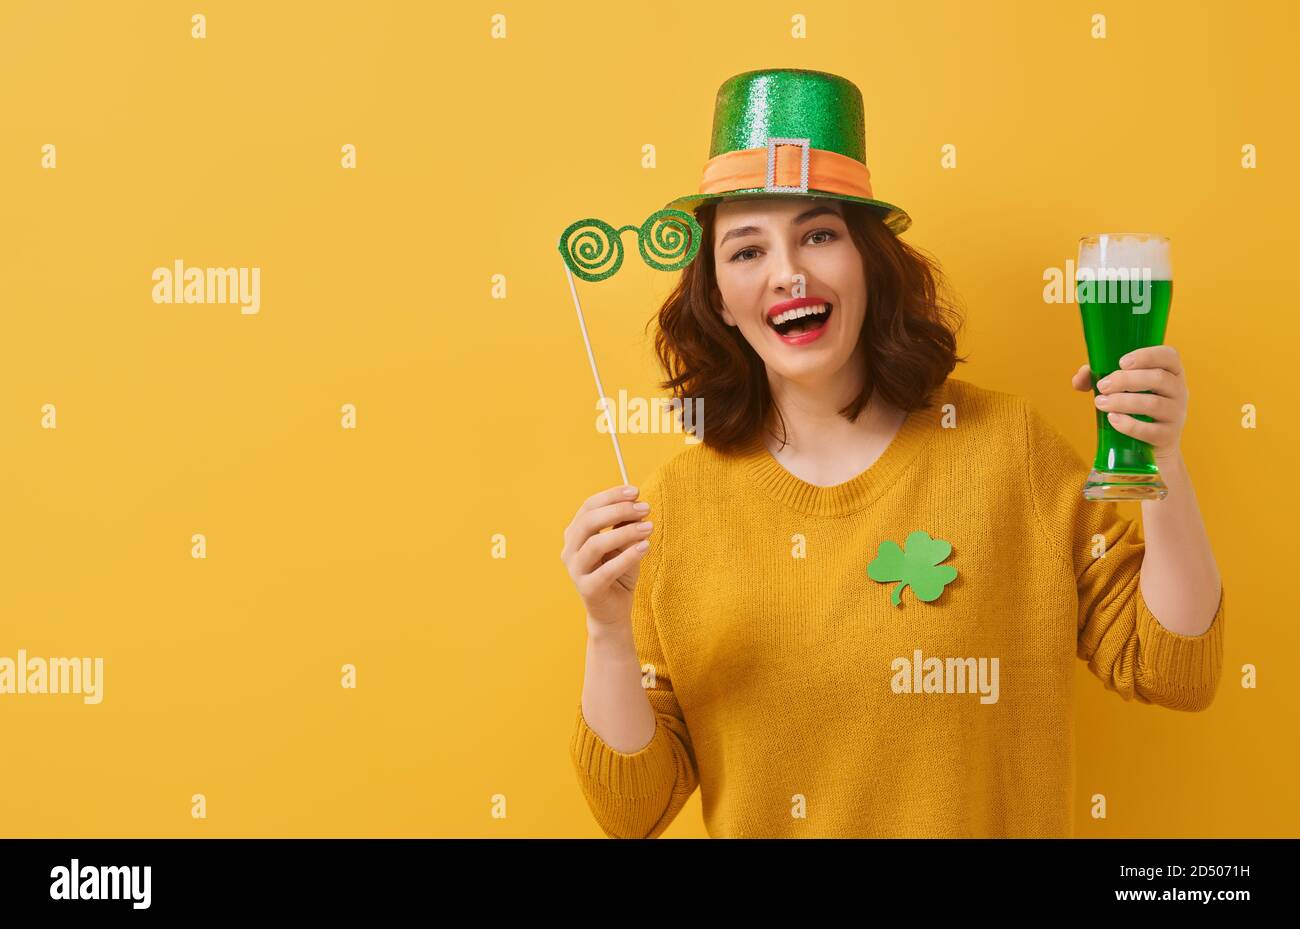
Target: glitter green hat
x,y
784,132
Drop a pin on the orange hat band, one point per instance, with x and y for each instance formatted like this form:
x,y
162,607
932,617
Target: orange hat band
x,y
786,166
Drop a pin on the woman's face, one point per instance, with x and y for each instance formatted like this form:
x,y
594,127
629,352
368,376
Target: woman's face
x,y
762,249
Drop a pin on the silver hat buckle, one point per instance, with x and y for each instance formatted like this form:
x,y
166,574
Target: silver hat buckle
x,y
771,186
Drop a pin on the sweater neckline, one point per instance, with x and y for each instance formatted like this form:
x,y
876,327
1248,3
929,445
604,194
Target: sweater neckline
x,y
857,492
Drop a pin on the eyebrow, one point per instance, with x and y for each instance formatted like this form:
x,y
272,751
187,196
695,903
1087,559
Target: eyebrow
x,y
801,218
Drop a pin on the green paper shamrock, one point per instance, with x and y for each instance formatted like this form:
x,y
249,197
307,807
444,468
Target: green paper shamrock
x,y
919,566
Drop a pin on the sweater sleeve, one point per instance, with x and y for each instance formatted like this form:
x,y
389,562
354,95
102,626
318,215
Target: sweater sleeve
x,y
1118,635
638,794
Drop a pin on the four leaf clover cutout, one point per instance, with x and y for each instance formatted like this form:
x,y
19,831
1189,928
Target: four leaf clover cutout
x,y
917,567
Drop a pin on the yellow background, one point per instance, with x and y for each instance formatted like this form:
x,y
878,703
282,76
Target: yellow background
x,y
476,415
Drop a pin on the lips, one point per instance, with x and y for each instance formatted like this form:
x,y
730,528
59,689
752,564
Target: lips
x,y
801,324
794,304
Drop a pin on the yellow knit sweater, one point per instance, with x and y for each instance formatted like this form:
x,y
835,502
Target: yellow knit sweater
x,y
788,686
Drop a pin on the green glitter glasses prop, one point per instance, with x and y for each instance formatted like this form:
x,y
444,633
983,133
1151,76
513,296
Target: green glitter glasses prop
x,y
593,250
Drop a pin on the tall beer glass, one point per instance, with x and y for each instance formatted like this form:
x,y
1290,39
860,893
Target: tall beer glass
x,y
1124,283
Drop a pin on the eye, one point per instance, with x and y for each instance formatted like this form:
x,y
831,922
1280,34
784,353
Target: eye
x,y
739,260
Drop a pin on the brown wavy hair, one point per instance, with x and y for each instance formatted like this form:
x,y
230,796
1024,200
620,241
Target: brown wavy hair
x,y
910,335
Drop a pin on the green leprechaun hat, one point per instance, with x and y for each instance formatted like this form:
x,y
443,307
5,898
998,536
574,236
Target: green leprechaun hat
x,y
784,132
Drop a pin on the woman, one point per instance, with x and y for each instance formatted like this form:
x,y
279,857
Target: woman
x,y
740,637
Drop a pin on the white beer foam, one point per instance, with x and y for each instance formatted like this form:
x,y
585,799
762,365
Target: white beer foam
x,y
1127,252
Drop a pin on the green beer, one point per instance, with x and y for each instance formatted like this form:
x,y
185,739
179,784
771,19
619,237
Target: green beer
x,y
1124,285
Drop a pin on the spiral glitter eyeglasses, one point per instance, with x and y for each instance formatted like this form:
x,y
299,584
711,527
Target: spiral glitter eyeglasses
x,y
668,239
593,250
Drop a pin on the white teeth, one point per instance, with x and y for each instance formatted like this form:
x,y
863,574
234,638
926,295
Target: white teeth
x,y
789,315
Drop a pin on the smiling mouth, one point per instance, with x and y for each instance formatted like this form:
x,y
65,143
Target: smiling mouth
x,y
804,319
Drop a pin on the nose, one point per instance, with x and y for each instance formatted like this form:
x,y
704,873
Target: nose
x,y
787,274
